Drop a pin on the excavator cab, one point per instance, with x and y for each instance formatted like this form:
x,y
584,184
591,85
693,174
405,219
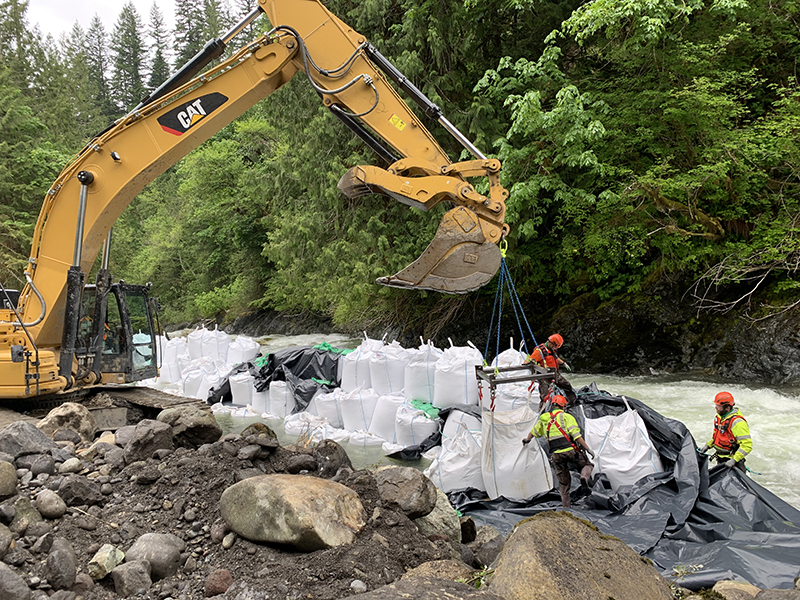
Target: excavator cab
x,y
116,337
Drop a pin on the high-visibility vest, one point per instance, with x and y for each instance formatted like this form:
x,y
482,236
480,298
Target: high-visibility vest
x,y
732,436
545,357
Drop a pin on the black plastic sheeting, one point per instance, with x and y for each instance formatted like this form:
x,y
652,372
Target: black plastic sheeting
x,y
304,370
698,524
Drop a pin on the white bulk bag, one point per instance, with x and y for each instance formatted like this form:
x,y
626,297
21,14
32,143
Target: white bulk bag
x,y
420,373
510,469
280,401
509,358
355,365
412,426
356,409
510,396
458,466
244,392
454,420
455,381
209,380
622,446
383,418
171,349
387,368
242,349
169,372
191,382
195,342
329,409
215,344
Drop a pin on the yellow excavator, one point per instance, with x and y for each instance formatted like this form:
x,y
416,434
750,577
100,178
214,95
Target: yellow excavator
x,y
59,334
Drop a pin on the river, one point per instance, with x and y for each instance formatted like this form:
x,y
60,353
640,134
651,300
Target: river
x,y
772,413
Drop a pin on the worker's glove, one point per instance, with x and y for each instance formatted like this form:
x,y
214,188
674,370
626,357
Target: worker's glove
x,y
567,367
525,441
703,449
730,463
590,452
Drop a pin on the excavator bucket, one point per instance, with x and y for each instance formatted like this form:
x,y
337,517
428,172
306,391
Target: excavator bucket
x,y
460,259
457,261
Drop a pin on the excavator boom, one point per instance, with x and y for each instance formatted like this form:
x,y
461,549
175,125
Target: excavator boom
x,y
353,81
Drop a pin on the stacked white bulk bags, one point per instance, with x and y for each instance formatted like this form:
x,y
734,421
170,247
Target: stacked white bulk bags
x,y
356,409
622,446
242,350
455,381
420,373
387,368
355,365
412,426
383,418
511,469
458,465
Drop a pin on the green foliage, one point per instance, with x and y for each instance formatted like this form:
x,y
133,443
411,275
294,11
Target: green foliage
x,y
638,138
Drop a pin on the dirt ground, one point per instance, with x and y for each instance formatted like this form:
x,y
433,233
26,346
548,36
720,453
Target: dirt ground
x,y
180,495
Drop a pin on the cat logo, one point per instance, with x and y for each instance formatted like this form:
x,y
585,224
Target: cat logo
x,y
181,119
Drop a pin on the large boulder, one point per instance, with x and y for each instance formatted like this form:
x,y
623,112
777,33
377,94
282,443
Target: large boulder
x,y
306,512
557,555
192,426
71,416
22,437
442,520
408,489
149,436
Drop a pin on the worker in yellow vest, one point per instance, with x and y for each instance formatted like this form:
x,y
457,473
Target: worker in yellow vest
x,y
568,449
731,439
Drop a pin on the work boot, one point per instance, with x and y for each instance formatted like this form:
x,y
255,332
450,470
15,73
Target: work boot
x,y
586,473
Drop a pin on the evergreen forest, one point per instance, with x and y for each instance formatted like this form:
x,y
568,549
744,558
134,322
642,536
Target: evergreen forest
x,y
642,141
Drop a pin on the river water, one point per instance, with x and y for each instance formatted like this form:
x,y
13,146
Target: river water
x,y
773,415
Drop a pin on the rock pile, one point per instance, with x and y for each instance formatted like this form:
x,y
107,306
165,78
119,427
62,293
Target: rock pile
x,y
170,509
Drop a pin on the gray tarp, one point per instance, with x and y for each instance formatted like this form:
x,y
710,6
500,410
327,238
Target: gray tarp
x,y
705,523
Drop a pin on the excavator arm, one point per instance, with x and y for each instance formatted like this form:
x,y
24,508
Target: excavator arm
x,y
92,191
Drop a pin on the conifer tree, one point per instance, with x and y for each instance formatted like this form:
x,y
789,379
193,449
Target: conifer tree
x,y
188,31
159,68
98,65
16,40
127,52
213,23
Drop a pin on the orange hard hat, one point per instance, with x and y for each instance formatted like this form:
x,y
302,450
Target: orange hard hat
x,y
559,400
556,339
723,398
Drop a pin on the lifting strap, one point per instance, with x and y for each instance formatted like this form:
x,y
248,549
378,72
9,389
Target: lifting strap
x,y
504,280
